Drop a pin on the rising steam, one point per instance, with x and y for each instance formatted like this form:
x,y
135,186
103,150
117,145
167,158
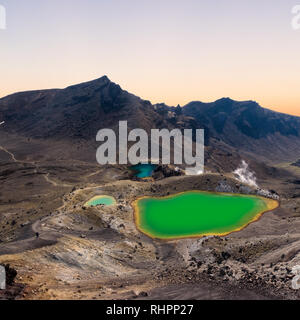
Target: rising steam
x,y
245,175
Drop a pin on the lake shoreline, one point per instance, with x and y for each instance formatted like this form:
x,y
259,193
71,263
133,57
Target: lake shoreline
x,y
95,198
271,205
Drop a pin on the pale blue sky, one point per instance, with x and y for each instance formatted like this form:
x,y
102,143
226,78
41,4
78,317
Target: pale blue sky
x,y
162,50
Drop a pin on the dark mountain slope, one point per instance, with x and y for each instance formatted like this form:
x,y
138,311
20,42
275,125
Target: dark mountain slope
x,y
248,127
77,111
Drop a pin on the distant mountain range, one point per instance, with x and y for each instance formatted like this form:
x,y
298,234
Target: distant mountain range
x,y
79,111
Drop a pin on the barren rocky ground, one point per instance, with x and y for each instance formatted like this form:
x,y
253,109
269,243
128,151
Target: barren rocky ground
x,y
97,253
62,250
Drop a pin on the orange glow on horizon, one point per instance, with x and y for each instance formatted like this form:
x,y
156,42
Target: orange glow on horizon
x,y
169,51
168,95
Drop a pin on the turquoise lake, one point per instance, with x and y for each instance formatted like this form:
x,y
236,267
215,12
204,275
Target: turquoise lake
x,y
101,200
143,170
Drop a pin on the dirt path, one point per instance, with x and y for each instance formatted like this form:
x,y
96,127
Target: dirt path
x,y
93,174
45,237
10,154
46,175
30,240
54,183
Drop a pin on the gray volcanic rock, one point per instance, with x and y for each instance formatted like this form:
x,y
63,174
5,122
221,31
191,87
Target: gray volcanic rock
x,y
78,111
232,129
296,164
223,186
248,127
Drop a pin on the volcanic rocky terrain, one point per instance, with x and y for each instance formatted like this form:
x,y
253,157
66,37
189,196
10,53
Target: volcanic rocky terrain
x,y
61,249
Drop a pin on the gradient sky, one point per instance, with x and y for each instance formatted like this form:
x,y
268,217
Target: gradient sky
x,y
171,51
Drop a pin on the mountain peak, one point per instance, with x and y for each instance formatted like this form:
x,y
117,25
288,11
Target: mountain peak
x,y
227,99
104,80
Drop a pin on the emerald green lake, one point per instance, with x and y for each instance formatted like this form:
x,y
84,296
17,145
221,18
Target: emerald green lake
x,y
143,170
100,200
197,213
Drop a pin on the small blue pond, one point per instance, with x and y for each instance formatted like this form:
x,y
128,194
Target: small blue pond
x,y
143,170
101,200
